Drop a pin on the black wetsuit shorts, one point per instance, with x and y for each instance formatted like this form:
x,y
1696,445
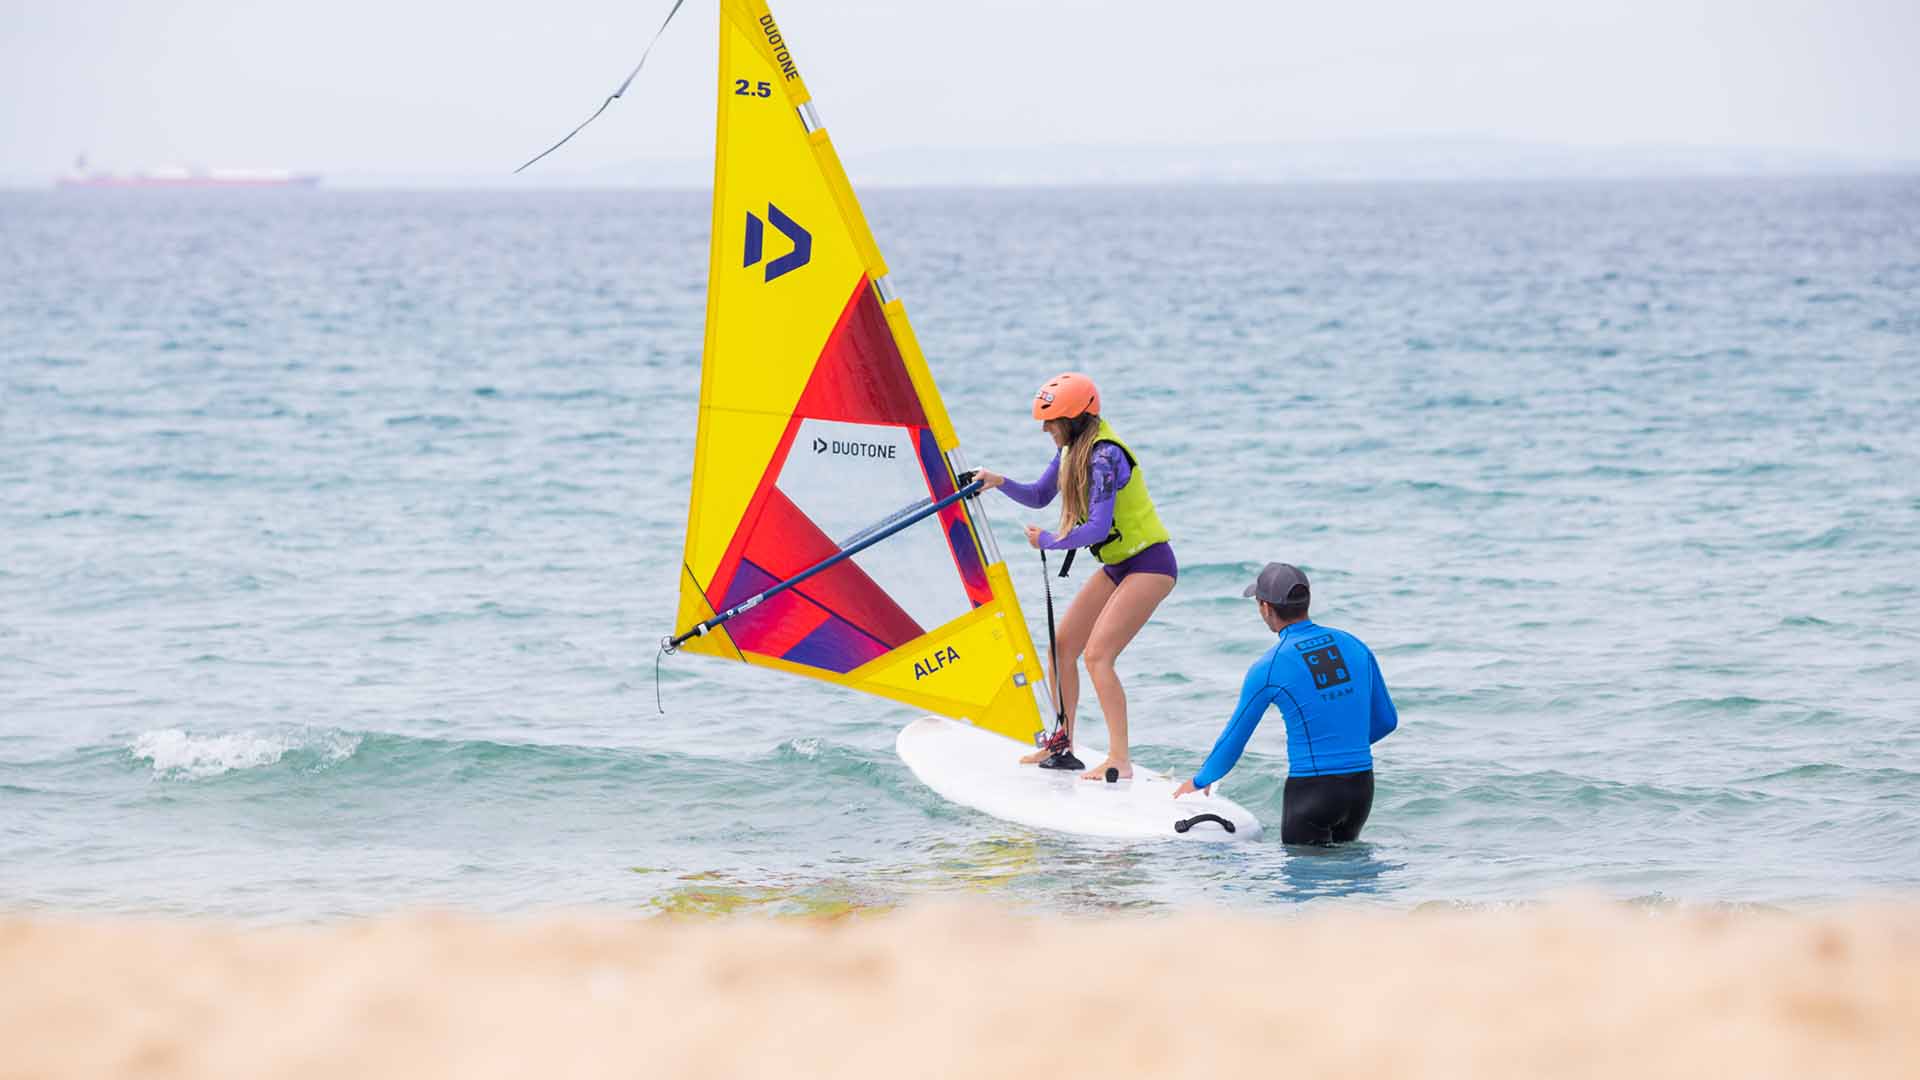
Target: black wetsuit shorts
x,y
1326,809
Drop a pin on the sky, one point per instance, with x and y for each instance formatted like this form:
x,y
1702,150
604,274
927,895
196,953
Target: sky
x,y
428,89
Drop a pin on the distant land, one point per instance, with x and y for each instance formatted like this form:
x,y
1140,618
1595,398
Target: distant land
x,y
1435,159
1439,159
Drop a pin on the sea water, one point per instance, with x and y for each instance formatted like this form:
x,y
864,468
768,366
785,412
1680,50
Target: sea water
x,y
337,532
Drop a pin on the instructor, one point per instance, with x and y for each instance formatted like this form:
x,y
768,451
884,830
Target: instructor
x,y
1328,687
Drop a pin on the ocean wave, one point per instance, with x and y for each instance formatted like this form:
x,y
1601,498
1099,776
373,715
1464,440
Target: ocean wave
x,y
174,753
1857,779
380,760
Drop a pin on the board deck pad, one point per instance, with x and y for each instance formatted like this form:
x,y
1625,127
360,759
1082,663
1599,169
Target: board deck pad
x,y
981,770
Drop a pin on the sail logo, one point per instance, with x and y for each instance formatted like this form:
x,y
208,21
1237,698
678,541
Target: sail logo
x,y
779,45
846,448
933,664
801,254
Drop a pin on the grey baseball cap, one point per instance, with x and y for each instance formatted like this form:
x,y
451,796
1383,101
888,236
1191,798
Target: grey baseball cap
x,y
1280,583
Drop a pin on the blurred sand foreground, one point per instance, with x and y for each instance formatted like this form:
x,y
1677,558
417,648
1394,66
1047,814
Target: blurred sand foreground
x,y
1557,991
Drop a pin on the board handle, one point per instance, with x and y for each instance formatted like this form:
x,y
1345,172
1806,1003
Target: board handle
x,y
1183,826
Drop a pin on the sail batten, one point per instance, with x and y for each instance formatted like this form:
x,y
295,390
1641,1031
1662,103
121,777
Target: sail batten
x,y
819,418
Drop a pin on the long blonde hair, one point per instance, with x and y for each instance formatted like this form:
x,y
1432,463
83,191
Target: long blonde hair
x,y
1075,466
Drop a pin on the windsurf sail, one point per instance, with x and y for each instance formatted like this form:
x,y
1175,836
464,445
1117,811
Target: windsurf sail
x,y
824,452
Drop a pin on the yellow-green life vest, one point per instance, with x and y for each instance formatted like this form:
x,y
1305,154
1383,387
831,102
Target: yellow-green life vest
x,y
1136,526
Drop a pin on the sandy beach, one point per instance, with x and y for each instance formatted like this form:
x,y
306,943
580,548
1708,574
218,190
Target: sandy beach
x,y
1564,990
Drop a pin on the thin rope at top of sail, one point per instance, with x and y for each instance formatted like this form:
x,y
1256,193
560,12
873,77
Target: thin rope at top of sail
x,y
628,81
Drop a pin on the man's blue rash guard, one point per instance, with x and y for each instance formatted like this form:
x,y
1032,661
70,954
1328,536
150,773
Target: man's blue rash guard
x,y
1110,473
1328,688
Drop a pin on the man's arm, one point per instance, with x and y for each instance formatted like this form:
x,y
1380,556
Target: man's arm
x,y
1255,696
1382,717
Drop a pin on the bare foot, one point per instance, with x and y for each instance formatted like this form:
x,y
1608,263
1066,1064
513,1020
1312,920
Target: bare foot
x,y
1035,757
1099,772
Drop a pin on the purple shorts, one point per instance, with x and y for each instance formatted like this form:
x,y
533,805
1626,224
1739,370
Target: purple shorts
x,y
1157,559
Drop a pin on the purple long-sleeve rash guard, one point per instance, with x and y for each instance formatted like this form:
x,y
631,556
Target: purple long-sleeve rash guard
x,y
1110,473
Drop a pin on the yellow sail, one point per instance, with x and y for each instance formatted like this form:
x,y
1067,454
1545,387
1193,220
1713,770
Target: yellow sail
x,y
819,418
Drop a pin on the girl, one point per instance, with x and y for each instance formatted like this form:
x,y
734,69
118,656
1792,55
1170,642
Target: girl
x,y
1104,507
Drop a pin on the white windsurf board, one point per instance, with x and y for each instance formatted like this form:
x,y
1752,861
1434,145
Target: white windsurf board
x,y
979,769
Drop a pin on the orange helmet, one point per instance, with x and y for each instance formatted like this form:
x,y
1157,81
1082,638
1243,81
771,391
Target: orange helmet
x,y
1065,397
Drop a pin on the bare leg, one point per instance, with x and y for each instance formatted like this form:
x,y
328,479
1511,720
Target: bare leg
x,y
1132,604
1071,640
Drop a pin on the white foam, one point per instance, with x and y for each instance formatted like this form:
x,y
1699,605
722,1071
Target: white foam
x,y
177,753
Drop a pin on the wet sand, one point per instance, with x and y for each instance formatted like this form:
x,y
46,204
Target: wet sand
x,y
1567,990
